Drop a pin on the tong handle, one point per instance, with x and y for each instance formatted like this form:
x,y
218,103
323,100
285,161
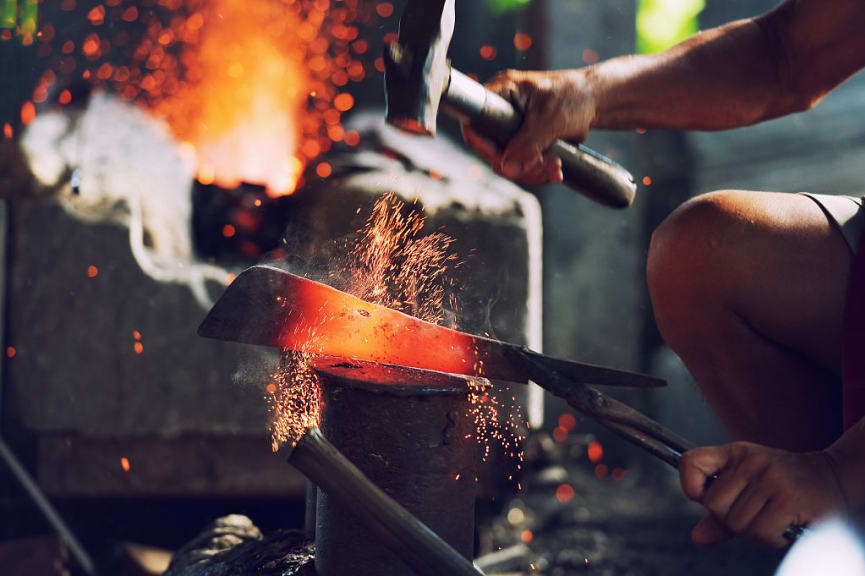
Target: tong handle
x,y
630,424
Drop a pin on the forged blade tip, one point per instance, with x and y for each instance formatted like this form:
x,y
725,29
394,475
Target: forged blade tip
x,y
247,311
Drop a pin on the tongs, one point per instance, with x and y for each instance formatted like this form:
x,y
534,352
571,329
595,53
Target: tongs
x,y
630,424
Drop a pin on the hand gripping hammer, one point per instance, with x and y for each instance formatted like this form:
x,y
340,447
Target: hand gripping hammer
x,y
419,78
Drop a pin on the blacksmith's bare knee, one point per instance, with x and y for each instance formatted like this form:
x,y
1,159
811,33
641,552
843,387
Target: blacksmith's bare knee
x,y
685,256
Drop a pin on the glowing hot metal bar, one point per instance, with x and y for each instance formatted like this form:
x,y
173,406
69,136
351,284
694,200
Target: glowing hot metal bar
x,y
271,307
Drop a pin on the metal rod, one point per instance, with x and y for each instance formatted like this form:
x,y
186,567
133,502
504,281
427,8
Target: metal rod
x,y
630,424
47,509
650,445
402,533
597,405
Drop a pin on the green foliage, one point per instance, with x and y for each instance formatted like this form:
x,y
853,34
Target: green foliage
x,y
29,11
503,6
664,23
9,13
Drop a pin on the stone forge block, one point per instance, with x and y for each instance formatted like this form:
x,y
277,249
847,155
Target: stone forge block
x,y
107,361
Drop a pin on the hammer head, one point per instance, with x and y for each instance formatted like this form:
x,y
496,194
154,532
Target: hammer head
x,y
416,66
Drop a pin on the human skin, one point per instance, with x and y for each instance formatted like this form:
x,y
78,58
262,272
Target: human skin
x,y
748,288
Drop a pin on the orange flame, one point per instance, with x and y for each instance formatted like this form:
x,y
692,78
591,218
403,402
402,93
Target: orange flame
x,y
253,90
241,92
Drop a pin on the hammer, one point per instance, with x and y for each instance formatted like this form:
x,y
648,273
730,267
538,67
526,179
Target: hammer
x,y
419,78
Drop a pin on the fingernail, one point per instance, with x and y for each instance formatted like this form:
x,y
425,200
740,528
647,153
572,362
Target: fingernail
x,y
512,169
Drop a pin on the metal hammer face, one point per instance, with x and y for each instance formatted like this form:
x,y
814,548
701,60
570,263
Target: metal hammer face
x,y
416,66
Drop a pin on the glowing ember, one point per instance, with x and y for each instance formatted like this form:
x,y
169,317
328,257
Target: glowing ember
x,y
394,266
294,401
28,113
92,271
125,465
560,434
567,421
601,470
497,422
564,493
522,41
488,52
255,90
595,452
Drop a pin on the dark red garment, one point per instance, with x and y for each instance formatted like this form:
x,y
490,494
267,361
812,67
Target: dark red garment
x,y
853,369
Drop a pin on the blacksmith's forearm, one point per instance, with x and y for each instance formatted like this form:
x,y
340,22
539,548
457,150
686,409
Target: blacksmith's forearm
x,y
721,78
848,454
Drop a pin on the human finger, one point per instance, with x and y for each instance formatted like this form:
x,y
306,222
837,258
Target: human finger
x,y
772,522
525,150
553,168
698,465
734,478
484,147
747,507
709,530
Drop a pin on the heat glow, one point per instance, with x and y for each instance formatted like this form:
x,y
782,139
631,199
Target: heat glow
x,y
240,87
391,268
397,276
252,90
240,91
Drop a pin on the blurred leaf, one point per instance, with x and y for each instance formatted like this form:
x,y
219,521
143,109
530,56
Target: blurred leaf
x,y
504,6
29,12
8,13
664,23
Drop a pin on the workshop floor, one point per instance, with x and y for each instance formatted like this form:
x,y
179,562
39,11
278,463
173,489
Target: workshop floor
x,y
639,525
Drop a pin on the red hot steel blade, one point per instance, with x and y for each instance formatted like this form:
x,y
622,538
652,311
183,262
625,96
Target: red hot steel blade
x,y
268,306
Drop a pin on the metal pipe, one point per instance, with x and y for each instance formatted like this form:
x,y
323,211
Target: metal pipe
x,y
47,509
393,525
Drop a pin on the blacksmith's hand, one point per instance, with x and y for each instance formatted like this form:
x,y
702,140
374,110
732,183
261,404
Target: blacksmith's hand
x,y
759,491
555,104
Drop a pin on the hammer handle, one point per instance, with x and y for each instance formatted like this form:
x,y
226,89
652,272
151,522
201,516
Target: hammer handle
x,y
586,171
